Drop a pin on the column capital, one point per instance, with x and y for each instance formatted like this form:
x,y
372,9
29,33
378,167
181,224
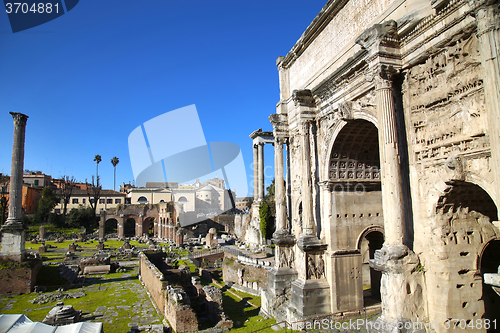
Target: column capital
x,y
487,15
19,119
384,76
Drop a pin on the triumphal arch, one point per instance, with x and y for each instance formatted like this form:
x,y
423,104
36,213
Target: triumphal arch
x,y
389,118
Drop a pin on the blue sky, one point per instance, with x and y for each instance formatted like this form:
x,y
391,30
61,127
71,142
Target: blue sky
x,y
90,77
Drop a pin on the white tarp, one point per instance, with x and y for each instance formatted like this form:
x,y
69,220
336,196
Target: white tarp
x,y
22,324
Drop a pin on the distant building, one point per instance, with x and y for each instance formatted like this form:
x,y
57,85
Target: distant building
x,y
79,198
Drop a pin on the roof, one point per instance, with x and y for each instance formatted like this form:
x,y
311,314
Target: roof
x,y
19,323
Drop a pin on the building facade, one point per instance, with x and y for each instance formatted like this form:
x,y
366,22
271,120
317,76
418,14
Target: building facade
x,y
391,126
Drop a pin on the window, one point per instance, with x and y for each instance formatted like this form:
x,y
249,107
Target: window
x,y
84,201
118,201
142,199
36,182
101,201
92,201
74,201
110,201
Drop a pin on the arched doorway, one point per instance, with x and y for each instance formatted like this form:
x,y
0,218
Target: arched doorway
x,y
111,227
356,222
129,228
465,212
372,240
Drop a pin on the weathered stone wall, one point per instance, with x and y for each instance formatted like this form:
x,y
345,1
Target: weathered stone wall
x,y
244,275
172,303
19,279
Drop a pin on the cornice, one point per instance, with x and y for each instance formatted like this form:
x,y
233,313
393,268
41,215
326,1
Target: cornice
x,y
327,13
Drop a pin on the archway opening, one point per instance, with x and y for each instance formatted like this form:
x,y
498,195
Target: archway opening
x,y
148,226
490,261
465,211
356,209
370,242
129,228
111,227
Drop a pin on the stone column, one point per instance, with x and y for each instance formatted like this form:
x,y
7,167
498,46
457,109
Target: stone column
x,y
307,217
120,226
255,173
260,148
488,33
13,245
102,224
279,185
392,189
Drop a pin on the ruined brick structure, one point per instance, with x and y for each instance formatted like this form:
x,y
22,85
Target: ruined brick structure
x,y
391,124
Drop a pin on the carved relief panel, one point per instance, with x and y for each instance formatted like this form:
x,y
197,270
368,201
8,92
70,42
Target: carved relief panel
x,y
446,102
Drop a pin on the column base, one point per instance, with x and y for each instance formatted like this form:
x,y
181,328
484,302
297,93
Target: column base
x,y
310,243
310,298
282,237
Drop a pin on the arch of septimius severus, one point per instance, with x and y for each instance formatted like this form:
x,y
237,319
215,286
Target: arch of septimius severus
x,y
390,114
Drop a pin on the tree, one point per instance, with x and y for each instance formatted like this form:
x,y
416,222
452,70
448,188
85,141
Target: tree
x,y
98,160
266,220
270,191
81,217
94,193
67,187
114,161
48,201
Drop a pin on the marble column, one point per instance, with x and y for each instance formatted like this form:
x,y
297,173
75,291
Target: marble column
x,y
307,217
260,148
13,238
279,185
392,189
255,172
488,33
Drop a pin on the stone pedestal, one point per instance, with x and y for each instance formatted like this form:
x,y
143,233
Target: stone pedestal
x,y
13,244
311,298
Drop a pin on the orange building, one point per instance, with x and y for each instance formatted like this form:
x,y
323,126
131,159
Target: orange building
x,y
31,195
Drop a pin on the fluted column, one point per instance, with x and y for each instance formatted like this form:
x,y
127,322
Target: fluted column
x,y
260,148
279,185
307,217
392,190
255,173
488,33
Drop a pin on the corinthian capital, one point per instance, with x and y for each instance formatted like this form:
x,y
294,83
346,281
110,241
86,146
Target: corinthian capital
x,y
19,119
384,76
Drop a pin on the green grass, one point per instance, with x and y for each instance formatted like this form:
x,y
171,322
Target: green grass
x,y
106,286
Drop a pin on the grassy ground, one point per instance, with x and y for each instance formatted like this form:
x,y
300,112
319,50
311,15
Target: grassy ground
x,y
118,300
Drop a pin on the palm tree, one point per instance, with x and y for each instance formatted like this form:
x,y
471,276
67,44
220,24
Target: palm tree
x,y
97,159
115,160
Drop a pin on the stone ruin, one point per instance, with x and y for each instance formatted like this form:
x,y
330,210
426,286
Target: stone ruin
x,y
184,300
62,315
